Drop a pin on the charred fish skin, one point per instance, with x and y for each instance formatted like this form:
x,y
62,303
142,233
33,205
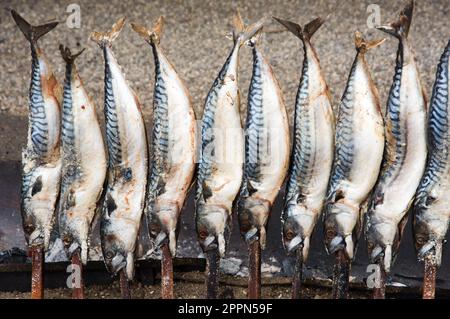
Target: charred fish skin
x,y
313,149
405,151
267,149
359,145
127,166
219,172
41,161
431,213
173,143
83,162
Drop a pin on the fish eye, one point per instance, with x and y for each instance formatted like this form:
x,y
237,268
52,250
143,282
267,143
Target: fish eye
x,y
109,255
289,234
330,234
202,234
420,240
370,245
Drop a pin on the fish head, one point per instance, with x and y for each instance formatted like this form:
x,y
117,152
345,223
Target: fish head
x,y
298,225
213,227
74,233
339,228
253,214
380,235
163,225
430,229
118,240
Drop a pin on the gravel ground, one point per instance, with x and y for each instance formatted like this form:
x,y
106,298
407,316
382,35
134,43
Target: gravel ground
x,y
188,286
194,40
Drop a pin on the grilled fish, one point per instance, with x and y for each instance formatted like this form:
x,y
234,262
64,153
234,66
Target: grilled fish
x,y
222,149
267,148
405,151
431,207
173,143
359,143
83,162
41,160
313,148
127,167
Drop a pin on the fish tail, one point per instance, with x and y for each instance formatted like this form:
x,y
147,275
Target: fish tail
x,y
363,46
67,55
104,39
152,35
243,33
400,28
32,33
304,33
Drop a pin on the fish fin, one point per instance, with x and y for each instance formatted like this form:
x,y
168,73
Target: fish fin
x,y
363,46
154,34
67,55
305,33
243,33
32,33
400,28
106,38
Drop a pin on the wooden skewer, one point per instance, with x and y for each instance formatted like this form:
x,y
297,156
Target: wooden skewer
x,y
78,288
254,278
429,279
37,272
380,291
212,274
166,273
298,274
124,285
341,275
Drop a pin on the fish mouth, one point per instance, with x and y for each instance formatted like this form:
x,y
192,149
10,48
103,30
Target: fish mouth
x,y
253,214
213,224
340,242
382,255
431,249
120,261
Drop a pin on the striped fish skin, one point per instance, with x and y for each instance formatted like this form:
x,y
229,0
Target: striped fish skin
x,y
359,143
83,163
41,161
313,148
127,167
405,152
267,149
173,144
220,169
431,206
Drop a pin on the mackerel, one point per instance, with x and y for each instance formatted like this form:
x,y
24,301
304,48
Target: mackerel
x,y
83,162
41,158
267,148
127,166
222,149
173,143
431,206
359,143
313,148
405,151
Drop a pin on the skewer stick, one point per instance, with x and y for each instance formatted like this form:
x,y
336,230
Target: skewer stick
x,y
429,279
166,273
379,292
341,275
212,274
124,285
298,274
78,288
37,272
254,277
